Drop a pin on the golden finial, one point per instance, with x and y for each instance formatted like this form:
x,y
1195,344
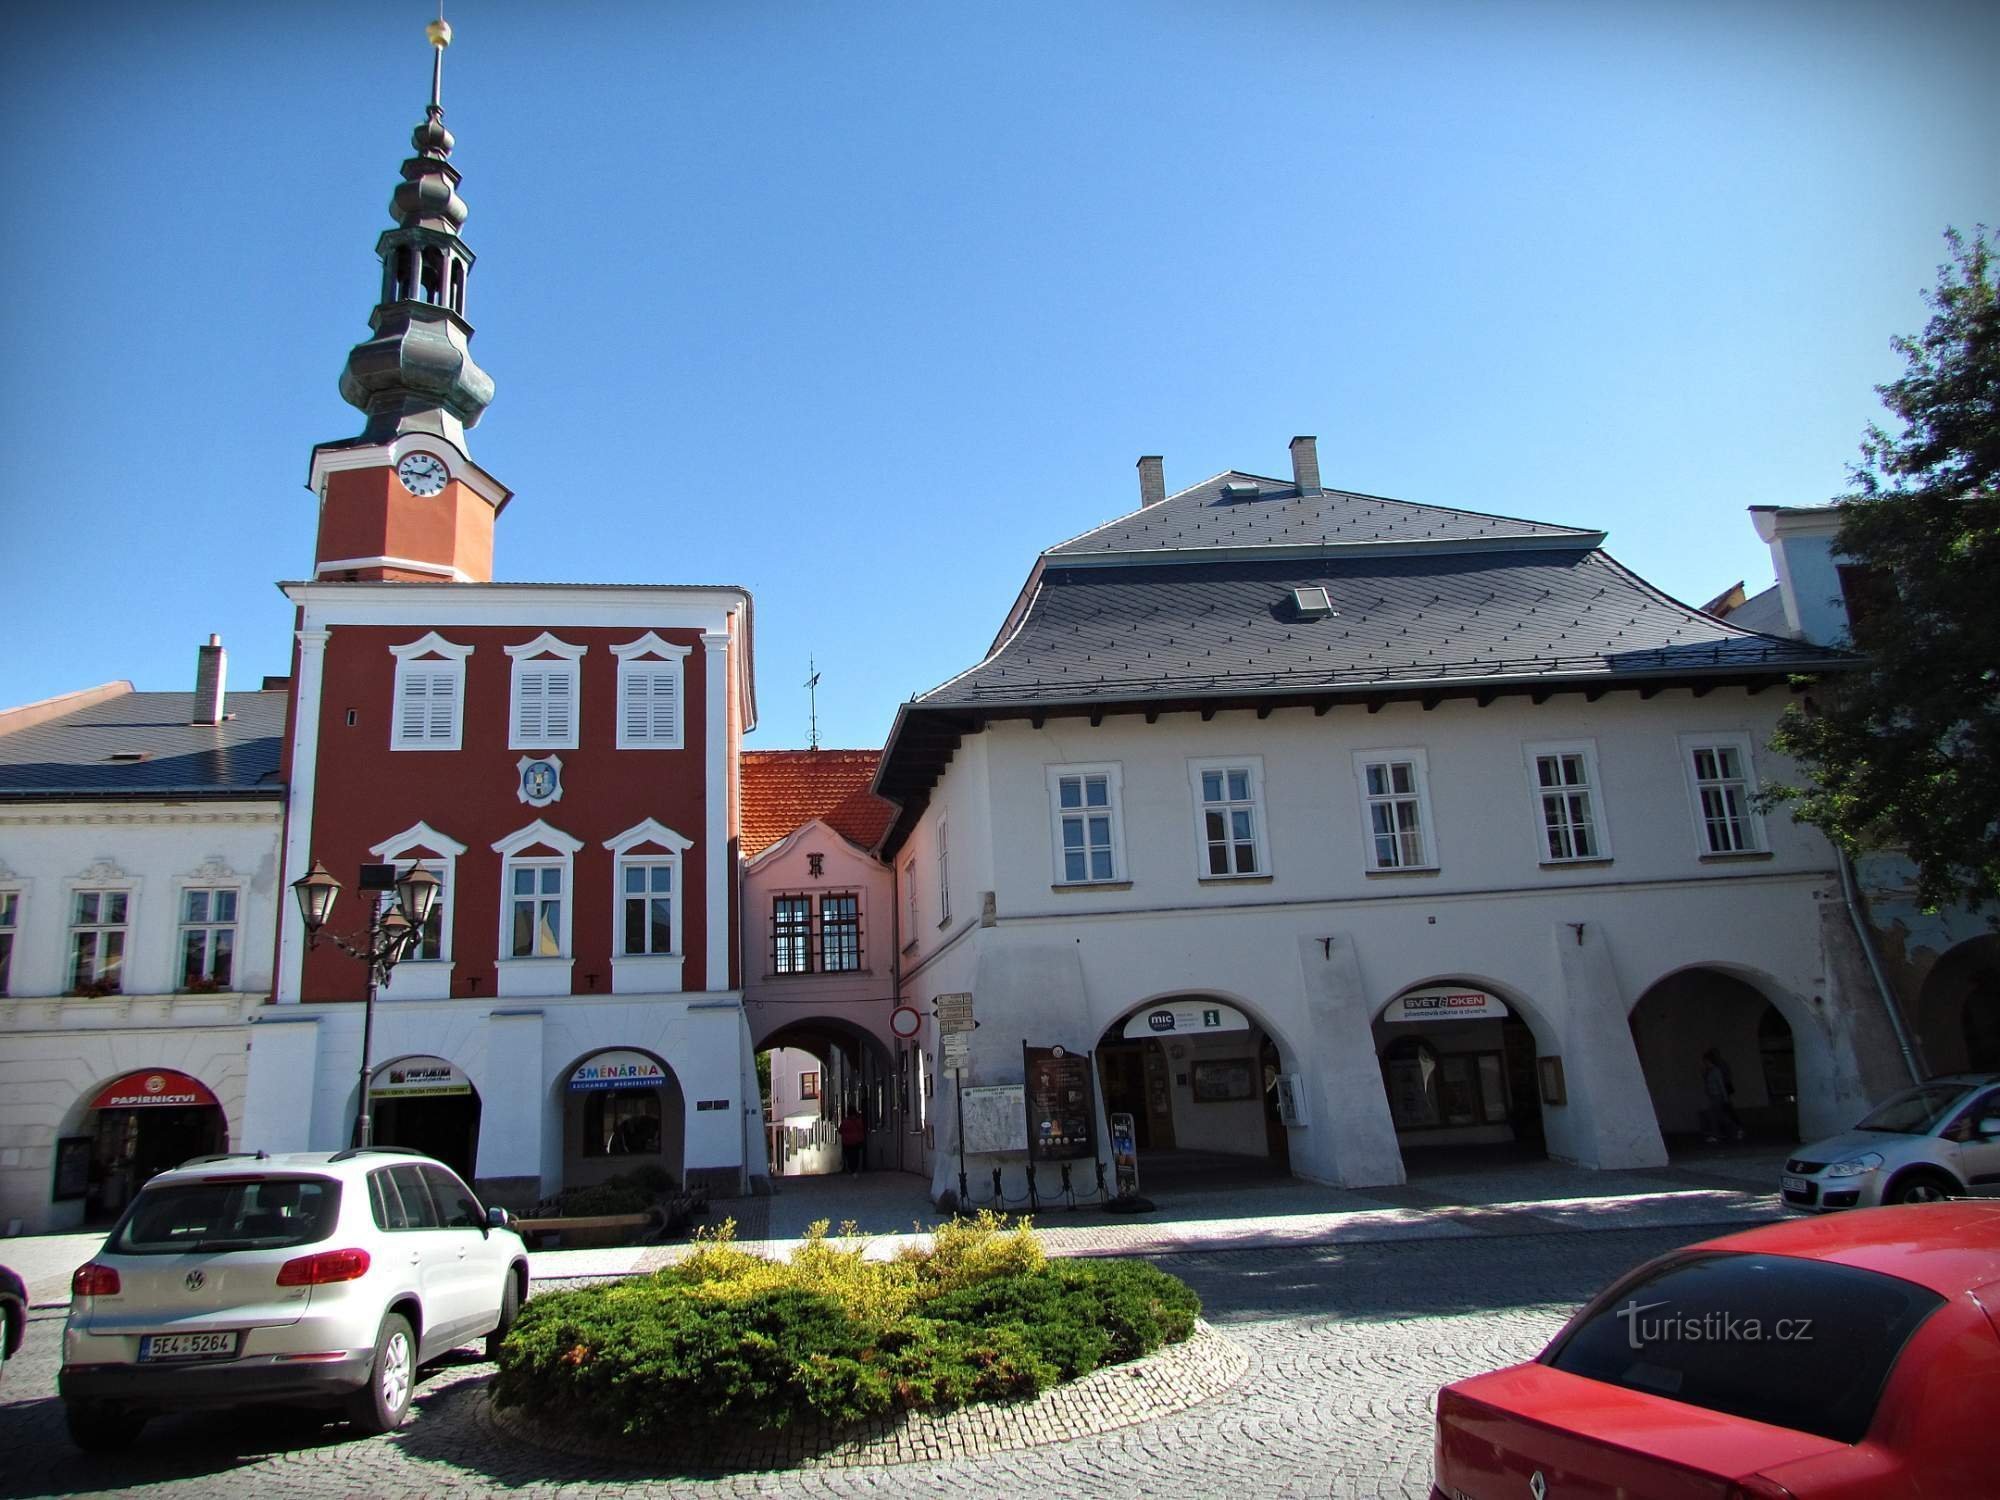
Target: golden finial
x,y
439,31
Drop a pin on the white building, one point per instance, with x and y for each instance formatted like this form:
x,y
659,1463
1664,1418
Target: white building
x,y
138,897
1264,786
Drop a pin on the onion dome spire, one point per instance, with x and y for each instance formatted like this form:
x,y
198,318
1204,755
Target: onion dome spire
x,y
417,372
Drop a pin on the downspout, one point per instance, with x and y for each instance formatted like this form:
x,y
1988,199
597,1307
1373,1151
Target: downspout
x,y
1850,891
899,1127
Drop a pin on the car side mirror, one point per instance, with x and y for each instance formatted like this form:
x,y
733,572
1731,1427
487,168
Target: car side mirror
x,y
1987,1129
499,1218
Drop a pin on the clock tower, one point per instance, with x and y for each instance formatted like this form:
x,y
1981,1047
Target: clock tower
x,y
404,502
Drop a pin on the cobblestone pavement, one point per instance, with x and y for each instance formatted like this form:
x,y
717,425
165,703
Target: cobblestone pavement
x,y
1346,1346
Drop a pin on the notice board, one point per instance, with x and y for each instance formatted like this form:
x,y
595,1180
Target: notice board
x,y
996,1118
1061,1111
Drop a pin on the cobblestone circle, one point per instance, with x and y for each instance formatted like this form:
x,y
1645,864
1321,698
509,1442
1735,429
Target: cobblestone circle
x,y
1143,1390
1343,1347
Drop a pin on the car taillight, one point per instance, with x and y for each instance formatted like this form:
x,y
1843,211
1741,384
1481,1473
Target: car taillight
x,y
94,1280
1757,1487
328,1265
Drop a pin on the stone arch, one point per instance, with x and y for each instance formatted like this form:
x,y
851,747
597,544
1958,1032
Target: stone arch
x,y
607,1128
130,1145
867,1078
1958,1008
1465,1085
1783,1074
444,1125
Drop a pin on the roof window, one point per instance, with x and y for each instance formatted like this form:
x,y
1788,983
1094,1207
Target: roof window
x,y
1312,603
1239,489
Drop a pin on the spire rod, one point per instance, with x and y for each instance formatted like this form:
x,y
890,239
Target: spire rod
x,y
812,700
439,31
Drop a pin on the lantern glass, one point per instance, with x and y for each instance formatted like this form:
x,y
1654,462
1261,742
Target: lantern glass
x,y
316,890
417,892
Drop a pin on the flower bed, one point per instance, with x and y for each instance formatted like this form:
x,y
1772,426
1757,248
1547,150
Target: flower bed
x,y
727,1340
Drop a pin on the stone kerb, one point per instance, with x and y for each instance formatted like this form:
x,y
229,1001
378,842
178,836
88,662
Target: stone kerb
x,y
1143,1390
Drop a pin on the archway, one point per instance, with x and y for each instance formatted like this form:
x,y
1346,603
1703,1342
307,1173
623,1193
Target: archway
x,y
623,1112
1688,1015
1198,1075
1958,1008
426,1104
138,1126
818,1072
1460,1069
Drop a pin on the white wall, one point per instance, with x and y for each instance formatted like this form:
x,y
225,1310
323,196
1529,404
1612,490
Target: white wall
x,y
1315,948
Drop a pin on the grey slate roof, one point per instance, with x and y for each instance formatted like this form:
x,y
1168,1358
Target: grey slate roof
x,y
70,756
1202,516
1226,628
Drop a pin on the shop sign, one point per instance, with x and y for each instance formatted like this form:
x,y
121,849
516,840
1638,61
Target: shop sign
x,y
617,1070
1061,1126
418,1078
1183,1017
1445,1003
1125,1154
158,1088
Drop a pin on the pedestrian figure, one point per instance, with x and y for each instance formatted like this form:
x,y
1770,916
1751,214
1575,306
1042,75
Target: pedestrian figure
x,y
1719,1118
853,1136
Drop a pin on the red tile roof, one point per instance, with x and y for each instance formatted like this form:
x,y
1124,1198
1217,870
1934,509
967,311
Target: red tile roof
x,y
783,790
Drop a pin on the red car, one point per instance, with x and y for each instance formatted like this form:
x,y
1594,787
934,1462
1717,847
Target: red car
x,y
1855,1356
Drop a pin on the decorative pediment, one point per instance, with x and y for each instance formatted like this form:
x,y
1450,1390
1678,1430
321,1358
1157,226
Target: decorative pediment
x,y
432,644
418,836
649,644
651,831
546,644
215,870
537,832
102,871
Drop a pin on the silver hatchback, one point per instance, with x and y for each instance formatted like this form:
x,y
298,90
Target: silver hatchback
x,y
312,1279
1940,1139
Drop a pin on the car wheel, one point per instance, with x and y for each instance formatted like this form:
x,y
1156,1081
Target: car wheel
x,y
510,1309
101,1426
383,1403
1920,1187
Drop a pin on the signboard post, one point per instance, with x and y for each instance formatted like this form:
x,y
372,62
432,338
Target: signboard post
x,y
1061,1109
1125,1155
953,1013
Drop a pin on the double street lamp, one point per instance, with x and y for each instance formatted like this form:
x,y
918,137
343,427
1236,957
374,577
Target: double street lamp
x,y
394,931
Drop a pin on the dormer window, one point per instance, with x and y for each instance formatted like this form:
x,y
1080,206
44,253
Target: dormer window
x,y
429,711
543,706
1239,489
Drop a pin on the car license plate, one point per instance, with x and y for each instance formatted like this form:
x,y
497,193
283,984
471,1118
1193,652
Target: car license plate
x,y
163,1346
1794,1184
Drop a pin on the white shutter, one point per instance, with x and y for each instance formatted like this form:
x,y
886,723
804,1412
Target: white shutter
x,y
637,709
557,698
416,706
664,722
529,719
443,703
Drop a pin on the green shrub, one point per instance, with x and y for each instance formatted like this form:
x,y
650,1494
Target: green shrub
x,y
728,1339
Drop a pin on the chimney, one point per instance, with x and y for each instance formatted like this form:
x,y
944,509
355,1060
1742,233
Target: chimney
x,y
211,668
1152,479
1305,465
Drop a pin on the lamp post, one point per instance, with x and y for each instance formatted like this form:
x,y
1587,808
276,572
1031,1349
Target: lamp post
x,y
394,931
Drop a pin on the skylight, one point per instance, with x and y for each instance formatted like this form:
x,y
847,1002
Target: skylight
x,y
1312,603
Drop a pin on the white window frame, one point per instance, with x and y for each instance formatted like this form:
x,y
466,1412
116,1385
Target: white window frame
x,y
1113,774
1260,842
536,974
410,657
209,925
535,655
71,926
944,872
1419,763
1592,789
10,931
648,842
1752,822
650,653
426,978
859,966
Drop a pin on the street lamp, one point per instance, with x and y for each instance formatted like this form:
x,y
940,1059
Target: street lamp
x,y
393,934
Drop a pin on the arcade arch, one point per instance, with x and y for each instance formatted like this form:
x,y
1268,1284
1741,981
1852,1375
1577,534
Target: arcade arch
x,y
1459,1061
622,1111
1198,1074
848,1070
426,1104
1958,1008
1680,1019
129,1129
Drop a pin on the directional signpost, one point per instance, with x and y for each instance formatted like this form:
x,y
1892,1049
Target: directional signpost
x,y
953,1014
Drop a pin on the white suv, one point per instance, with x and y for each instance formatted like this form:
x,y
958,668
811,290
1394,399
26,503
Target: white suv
x,y
309,1279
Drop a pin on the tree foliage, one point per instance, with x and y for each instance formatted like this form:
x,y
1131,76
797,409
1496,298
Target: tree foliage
x,y
1905,752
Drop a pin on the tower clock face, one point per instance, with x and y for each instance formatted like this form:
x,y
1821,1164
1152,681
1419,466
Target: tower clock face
x,y
422,473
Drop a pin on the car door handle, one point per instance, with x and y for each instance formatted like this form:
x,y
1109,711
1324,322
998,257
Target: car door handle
x,y
416,1257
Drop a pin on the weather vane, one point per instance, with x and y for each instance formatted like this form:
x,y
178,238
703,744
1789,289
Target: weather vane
x,y
812,701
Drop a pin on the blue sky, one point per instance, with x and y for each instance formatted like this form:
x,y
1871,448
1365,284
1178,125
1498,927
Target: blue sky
x,y
862,305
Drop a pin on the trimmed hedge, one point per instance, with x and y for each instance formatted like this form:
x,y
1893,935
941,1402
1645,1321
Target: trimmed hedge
x,y
730,1339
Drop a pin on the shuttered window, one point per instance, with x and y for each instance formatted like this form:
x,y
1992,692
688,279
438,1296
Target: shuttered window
x,y
427,697
545,705
650,704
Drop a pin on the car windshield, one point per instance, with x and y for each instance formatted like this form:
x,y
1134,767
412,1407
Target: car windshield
x,y
229,1213
1916,1111
1803,1344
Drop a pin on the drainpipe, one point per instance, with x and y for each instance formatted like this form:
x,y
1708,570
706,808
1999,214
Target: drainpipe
x,y
1850,891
